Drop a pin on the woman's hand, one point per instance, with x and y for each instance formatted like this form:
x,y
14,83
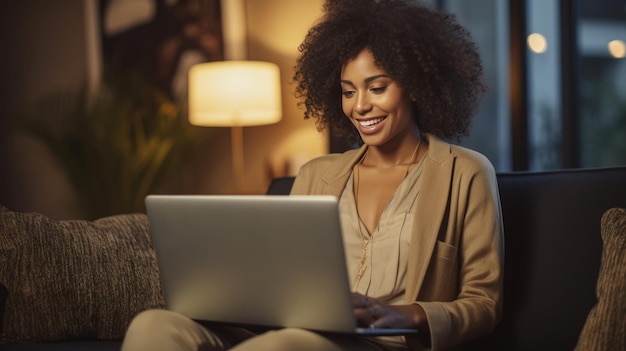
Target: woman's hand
x,y
371,312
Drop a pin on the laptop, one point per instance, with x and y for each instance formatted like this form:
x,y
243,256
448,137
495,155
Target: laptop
x,y
259,260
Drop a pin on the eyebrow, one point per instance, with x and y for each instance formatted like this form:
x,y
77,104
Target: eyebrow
x,y
366,80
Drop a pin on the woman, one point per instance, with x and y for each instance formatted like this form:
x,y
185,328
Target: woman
x,y
421,217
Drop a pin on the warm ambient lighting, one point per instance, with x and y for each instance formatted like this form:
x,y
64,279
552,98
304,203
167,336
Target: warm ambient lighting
x,y
235,94
537,43
617,48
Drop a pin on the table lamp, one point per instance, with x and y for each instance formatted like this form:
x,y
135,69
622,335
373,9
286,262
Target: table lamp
x,y
235,94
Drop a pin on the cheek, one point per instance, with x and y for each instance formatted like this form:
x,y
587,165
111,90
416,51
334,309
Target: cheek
x,y
401,107
346,107
406,113
390,101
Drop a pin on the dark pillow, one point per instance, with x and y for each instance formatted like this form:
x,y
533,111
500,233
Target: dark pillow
x,y
605,327
75,279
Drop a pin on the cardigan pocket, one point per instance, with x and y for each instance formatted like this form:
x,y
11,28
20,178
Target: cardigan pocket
x,y
443,273
446,251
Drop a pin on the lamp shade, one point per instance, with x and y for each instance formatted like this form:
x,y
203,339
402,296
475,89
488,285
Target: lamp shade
x,y
234,94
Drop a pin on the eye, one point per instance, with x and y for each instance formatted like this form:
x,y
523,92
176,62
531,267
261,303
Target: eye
x,y
378,90
348,93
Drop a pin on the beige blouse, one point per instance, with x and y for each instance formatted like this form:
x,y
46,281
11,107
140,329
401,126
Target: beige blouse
x,y
386,253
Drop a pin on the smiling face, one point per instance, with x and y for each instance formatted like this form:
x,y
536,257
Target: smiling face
x,y
375,104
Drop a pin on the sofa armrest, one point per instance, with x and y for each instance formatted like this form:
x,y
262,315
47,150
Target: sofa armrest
x,y
280,186
4,294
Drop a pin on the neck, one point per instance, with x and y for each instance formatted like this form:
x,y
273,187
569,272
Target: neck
x,y
406,153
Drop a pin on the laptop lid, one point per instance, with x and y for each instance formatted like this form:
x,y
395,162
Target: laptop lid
x,y
274,261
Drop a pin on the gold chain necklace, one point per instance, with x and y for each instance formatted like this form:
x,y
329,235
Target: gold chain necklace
x,y
365,241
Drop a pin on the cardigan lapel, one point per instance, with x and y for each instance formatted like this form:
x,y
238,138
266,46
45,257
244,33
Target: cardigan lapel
x,y
431,205
336,176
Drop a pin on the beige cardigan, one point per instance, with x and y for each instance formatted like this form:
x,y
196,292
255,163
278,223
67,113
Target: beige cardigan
x,y
455,267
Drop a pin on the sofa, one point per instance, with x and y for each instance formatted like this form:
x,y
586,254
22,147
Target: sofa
x,y
75,285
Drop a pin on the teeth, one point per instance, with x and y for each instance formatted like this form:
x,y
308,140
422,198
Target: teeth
x,y
371,122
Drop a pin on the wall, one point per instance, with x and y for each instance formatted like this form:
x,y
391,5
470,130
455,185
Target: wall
x,y
275,30
47,52
44,52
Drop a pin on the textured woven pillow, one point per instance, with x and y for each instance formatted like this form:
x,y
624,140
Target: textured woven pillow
x,y
75,279
605,327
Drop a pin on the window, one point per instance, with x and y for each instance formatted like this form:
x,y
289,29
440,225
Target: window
x,y
557,74
543,59
602,88
487,21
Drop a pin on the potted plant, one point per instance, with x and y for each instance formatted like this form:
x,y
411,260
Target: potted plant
x,y
116,146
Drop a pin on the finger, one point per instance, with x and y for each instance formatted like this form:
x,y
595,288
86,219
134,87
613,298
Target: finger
x,y
367,315
387,321
375,311
359,300
362,317
393,318
361,314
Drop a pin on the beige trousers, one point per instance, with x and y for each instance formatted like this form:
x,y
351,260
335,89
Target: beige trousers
x,y
161,330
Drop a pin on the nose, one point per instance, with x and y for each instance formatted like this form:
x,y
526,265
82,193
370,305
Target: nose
x,y
363,105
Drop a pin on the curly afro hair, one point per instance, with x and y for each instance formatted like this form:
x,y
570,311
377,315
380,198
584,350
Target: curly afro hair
x,y
426,52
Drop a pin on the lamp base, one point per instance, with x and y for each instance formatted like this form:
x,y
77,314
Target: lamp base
x,y
236,140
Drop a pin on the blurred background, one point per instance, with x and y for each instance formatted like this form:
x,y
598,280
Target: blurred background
x,y
93,95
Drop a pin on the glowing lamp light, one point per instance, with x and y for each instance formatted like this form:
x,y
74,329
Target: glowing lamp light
x,y
235,94
617,48
537,43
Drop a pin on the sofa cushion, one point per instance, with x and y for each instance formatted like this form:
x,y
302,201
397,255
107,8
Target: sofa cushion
x,y
605,327
75,279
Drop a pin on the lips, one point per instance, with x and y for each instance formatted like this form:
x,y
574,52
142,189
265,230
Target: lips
x,y
371,122
370,126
